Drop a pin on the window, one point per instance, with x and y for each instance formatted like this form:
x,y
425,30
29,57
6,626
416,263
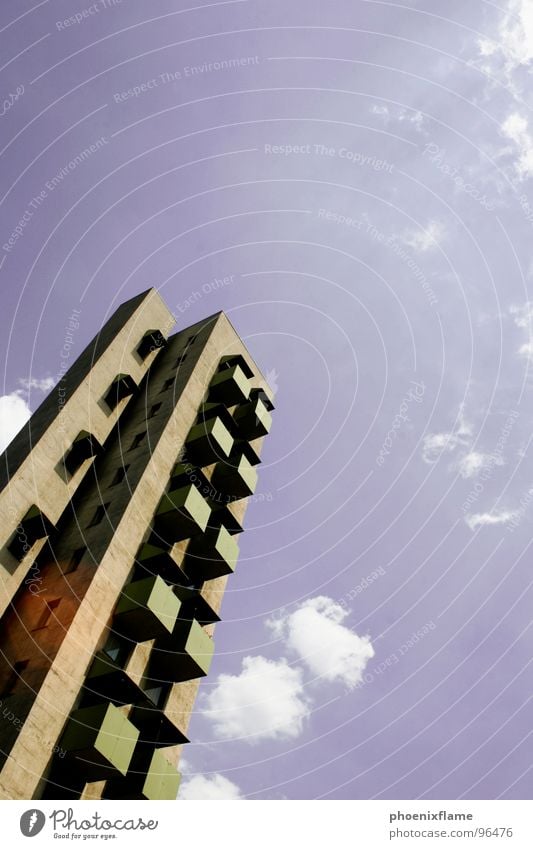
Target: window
x,y
49,607
191,340
14,677
153,410
119,476
75,560
167,384
181,359
117,650
137,440
99,514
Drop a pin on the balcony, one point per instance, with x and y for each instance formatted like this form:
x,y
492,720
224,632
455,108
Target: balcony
x,y
185,655
158,727
101,739
122,387
146,609
152,340
229,386
32,527
211,555
162,779
235,360
181,514
253,420
196,603
84,446
107,680
235,480
151,776
208,442
212,410
155,560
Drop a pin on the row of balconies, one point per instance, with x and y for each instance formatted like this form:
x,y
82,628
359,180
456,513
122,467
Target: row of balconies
x,y
118,739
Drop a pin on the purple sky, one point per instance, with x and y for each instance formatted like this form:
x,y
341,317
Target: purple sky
x,y
364,171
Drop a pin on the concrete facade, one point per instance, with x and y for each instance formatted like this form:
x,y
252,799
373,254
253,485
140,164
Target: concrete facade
x,y
121,506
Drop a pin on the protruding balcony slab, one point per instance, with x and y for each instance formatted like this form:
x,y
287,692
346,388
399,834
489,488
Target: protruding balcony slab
x,y
196,604
211,555
152,340
181,514
208,442
185,655
101,739
235,480
229,386
33,526
253,419
151,776
106,679
146,609
122,387
84,446
165,562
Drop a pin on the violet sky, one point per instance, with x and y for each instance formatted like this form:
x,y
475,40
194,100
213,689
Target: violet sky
x,y
351,182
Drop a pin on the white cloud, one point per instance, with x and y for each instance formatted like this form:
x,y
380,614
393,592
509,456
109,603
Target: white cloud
x,y
315,633
516,129
426,238
479,520
513,43
209,787
474,462
14,413
265,701
435,444
14,409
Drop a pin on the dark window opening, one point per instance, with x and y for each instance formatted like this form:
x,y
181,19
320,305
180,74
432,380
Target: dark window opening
x,y
137,440
119,475
14,678
99,514
167,384
75,560
153,410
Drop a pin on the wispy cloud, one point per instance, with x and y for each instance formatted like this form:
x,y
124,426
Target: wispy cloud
x,y
14,408
473,463
513,41
400,115
427,238
436,444
481,520
523,318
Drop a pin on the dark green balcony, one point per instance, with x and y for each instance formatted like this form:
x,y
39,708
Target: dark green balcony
x,y
235,480
181,514
151,776
253,419
229,386
146,609
84,446
158,725
208,442
155,560
196,603
101,739
212,410
32,527
185,655
211,555
106,679
162,779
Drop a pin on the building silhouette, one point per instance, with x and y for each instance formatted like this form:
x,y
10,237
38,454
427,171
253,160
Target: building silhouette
x,y
121,504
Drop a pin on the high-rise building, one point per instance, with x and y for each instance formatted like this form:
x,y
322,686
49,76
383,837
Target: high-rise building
x,y
121,502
